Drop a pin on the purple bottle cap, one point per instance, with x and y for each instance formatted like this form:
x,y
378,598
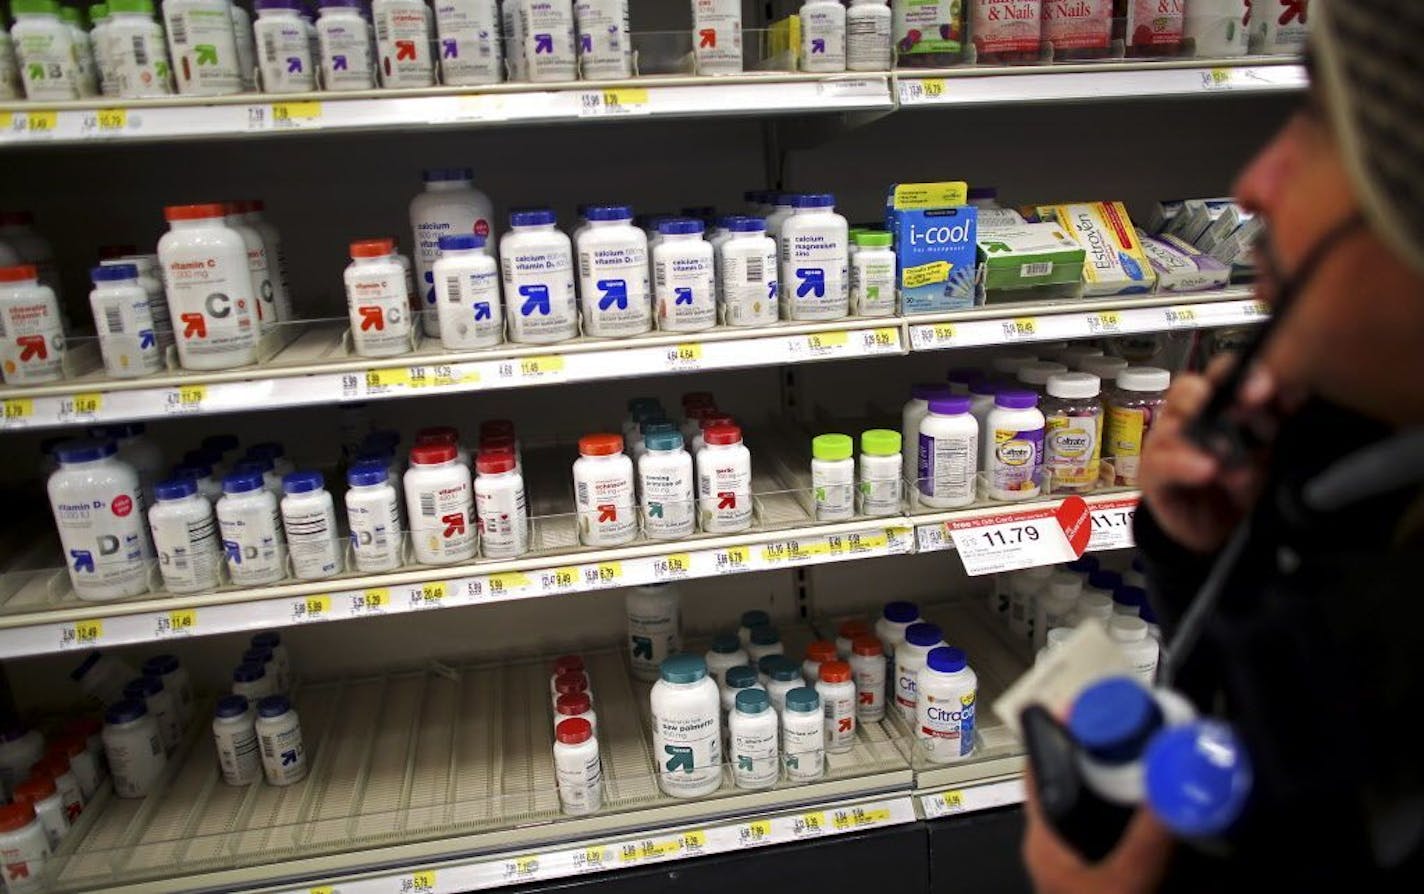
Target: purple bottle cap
x,y
1016,400
927,390
985,387
949,404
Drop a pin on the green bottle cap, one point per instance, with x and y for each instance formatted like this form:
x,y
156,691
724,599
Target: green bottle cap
x,y
873,239
35,7
142,7
98,12
71,16
880,442
832,447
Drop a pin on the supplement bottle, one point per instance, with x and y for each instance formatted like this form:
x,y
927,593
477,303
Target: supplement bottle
x,y
209,285
803,736
176,683
128,341
890,627
1073,431
444,434
546,28
449,206
1034,376
1025,587
750,621
754,747
55,766
440,505
567,664
916,409
468,33
500,505
571,684
962,379
872,276
135,50
1141,650
837,689
236,741
748,282
309,519
45,50
537,263
1112,721
100,676
784,206
737,679
1007,32
263,658
763,641
403,44
1132,409
1057,605
267,452
162,705
200,474
246,46
944,721
279,735
815,280
981,402
9,80
149,280
267,469
687,728
881,476
603,489
867,663
782,676
613,274
185,537
1128,600
283,52
98,509
89,730
1079,30
203,44
32,339
833,477
823,36
271,640
948,444
1150,27
575,704
666,486
724,481
345,40
133,748
928,33
24,848
605,46
717,36
83,766
1215,28
39,792
910,656
726,653
1013,442
869,44
817,654
1095,606
20,750
251,530
468,308
684,278
83,50
248,213
1105,368
577,767
709,419
847,633
654,628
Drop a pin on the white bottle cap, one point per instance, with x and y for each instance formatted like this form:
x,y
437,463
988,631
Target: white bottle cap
x,y
1057,635
1065,585
1127,629
1009,364
1144,378
1095,605
1103,367
1038,373
1074,386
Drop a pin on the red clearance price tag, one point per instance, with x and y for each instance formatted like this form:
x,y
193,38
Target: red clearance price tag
x,y
1010,541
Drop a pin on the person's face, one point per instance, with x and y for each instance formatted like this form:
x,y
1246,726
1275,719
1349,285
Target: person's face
x,y
1355,332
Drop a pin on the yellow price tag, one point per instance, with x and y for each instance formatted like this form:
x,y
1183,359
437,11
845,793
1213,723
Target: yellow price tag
x,y
376,599
1107,321
192,396
684,354
943,333
1023,327
423,880
318,605
433,591
934,88
825,341
510,580
386,378
524,866
183,620
925,275
1180,316
324,889
635,96
42,122
536,367
88,404
757,830
678,563
112,119
609,572
87,633
810,823
1258,309
694,839
17,408
953,801
858,818
559,578
286,112
7,120
733,558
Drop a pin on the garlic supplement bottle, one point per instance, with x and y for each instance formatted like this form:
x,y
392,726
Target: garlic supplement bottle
x,y
128,341
687,728
717,36
236,739
748,284
803,736
577,767
133,748
44,47
185,537
654,628
605,46
209,286
613,274
881,477
468,36
403,43
467,302
1073,432
500,505
684,282
203,44
346,45
279,735
665,481
1013,444
440,505
833,477
909,659
251,529
944,715
726,653
948,447
309,519
283,51
377,303
24,848
603,492
869,45
872,275
724,481
754,746
33,344
867,663
823,36
537,263
98,509
135,50
815,280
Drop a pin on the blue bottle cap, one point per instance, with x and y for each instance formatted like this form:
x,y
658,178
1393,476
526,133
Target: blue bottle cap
x,y
662,440
753,701
726,643
242,482
1085,565
765,635
268,450
203,455
741,676
783,668
461,242
126,711
803,700
302,482
258,464
383,439
901,612
683,668
815,200
159,665
536,217
755,618
747,225
445,175
222,443
257,655
84,450
1133,596
273,706
1113,719
231,706
681,227
175,489
1199,778
267,639
947,660
365,474
765,663
924,634
192,471
142,687
248,672
609,212
114,273
1105,580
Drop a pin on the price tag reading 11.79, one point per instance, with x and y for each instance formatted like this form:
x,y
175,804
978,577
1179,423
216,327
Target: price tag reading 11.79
x,y
1010,541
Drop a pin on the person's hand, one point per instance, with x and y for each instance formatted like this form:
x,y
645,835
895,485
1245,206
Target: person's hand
x,y
1136,866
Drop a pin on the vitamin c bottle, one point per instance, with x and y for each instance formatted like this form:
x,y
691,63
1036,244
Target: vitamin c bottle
x,y
209,286
31,329
944,720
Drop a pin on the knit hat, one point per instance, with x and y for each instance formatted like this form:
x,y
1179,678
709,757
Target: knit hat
x,y
1370,68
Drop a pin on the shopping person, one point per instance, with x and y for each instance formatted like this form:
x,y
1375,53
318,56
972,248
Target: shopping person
x,y
1312,646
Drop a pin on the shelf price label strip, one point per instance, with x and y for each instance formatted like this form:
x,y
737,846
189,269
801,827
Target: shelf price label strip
x,y
974,798
1111,519
1022,87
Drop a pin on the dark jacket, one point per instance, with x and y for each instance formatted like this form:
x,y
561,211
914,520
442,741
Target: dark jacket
x,y
1315,653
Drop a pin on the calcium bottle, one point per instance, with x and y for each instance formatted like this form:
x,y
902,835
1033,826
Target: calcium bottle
x,y
867,662
31,329
469,46
948,449
449,206
185,537
1013,446
283,51
234,735
345,41
717,36
251,529
910,656
687,728
440,505
685,281
1073,432
666,483
748,283
309,519
374,518
44,46
468,309
577,768
377,303
833,477
944,713
654,628
605,45
724,481
537,263
837,689
209,287
754,738
204,47
815,280
24,848
500,505
279,735
803,736
613,274
133,748
98,509
403,43
872,276
128,341
135,51
546,31
603,492
823,36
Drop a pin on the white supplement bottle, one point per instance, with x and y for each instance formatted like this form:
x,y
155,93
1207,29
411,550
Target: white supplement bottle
x,y
1057,605
815,279
981,402
881,476
944,716
654,628
251,680
176,682
837,689
513,40
537,263
687,728
782,675
867,663
575,704
910,655
128,341
1094,606
869,46
83,50
271,640
149,279
82,764
20,750
279,735
724,481
283,51
345,40
440,505
546,29
613,274
31,329
98,509
1025,588
717,36
136,51
309,519
266,452
246,46
251,529
265,659
202,42
784,205
100,676
748,284
763,642
726,653
916,409
185,537
577,767
40,793
1105,368
250,212
24,848
163,706
605,46
500,505
236,740
376,300
468,309
603,492
209,287
817,653
403,43
803,736
45,51
449,206
56,767
1034,376
753,736
750,621
872,274
846,634
684,277
948,449
468,34
823,36
1013,446
133,748
1141,650
833,477
738,678
9,71
665,481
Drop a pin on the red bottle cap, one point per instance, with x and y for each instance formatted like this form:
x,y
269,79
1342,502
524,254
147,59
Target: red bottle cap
x,y
574,730
20,814
722,434
600,445
432,454
821,651
206,211
567,664
496,427
495,461
372,248
84,726
35,789
69,746
566,684
573,704
867,646
697,399
835,672
715,418
853,629
496,442
22,273
438,434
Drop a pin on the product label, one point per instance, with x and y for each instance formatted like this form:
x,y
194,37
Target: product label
x,y
651,639
869,46
945,726
539,287
139,61
252,540
1072,449
204,50
947,467
217,317
9,71
687,292
668,511
906,695
188,551
1007,26
833,489
724,491
442,524
929,26
104,542
284,757
284,56
403,45
823,40
503,519
469,42
1152,23
754,757
379,309
688,748
262,287
604,46
133,761
605,508
345,53
128,341
717,35
1279,26
804,751
312,541
376,533
48,64
869,688
238,755
548,29
839,713
1016,463
1127,431
1077,24
872,285
614,282
581,785
936,252
31,340
814,275
469,308
749,283
880,488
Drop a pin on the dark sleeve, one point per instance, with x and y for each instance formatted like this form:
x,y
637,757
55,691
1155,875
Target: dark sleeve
x,y
1174,573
